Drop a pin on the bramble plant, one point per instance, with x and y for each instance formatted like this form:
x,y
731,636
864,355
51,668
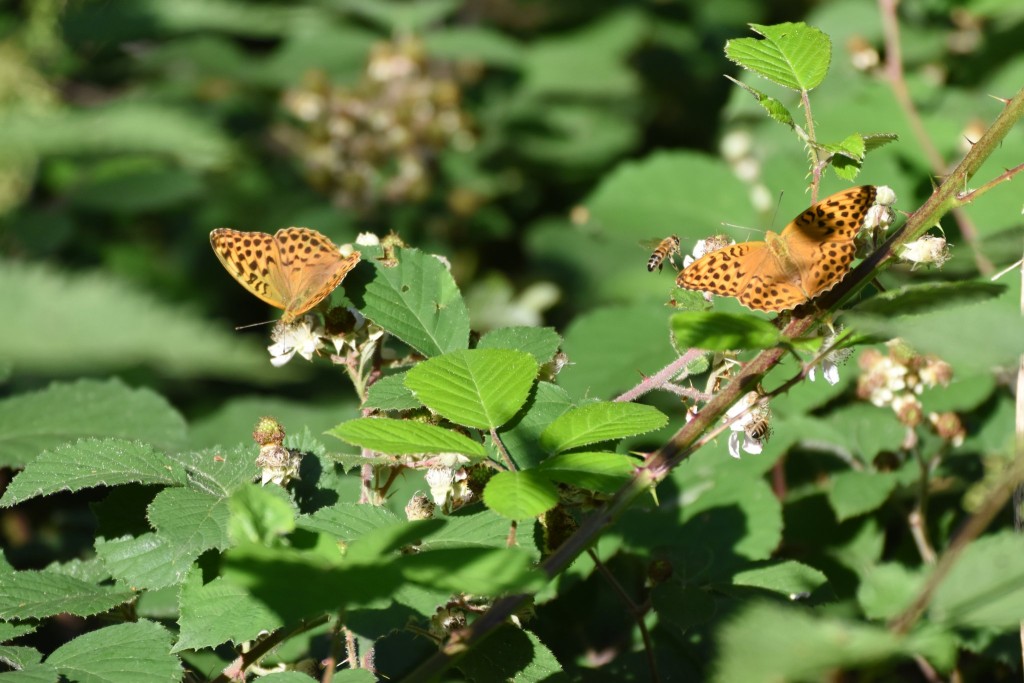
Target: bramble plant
x,y
496,492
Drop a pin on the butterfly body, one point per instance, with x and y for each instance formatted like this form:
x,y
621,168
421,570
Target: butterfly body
x,y
810,256
294,269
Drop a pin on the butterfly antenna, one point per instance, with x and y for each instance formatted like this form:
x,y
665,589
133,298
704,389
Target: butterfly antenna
x,y
245,327
778,205
745,228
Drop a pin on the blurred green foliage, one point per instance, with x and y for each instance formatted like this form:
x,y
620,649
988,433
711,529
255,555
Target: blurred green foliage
x,y
535,146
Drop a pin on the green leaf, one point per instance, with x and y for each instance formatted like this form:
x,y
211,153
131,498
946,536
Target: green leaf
x,y
481,571
359,676
577,137
852,147
730,514
148,561
482,529
539,342
403,18
417,301
480,388
38,594
520,495
646,192
888,589
602,472
403,437
789,578
860,429
857,492
295,583
927,297
985,588
723,331
598,422
218,612
220,472
682,606
9,632
776,110
589,62
41,420
90,306
511,654
349,522
260,514
390,393
193,16
123,126
873,141
521,435
957,334
135,189
26,666
92,462
478,43
126,653
626,343
768,642
794,55
188,523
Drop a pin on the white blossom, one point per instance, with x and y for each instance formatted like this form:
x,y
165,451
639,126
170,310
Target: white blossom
x,y
928,250
301,337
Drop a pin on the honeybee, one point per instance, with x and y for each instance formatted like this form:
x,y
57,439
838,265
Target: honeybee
x,y
666,249
759,430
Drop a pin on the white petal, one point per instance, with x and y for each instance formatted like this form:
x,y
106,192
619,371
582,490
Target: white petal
x,y
734,444
831,372
751,445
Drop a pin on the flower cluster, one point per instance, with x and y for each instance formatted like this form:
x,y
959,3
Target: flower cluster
x,y
346,329
897,379
373,143
877,220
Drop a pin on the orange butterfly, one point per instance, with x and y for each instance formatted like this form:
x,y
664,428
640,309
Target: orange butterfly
x,y
294,269
810,256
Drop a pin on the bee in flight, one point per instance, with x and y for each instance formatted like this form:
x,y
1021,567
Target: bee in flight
x,y
666,248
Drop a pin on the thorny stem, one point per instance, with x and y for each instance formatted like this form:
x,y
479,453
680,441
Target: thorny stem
x,y
658,464
894,73
812,146
351,652
635,611
661,378
1005,176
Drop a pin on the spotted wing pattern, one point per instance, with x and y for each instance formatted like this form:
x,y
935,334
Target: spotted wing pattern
x,y
293,269
810,256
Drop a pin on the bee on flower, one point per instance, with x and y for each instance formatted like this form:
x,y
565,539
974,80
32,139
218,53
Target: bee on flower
x,y
751,426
